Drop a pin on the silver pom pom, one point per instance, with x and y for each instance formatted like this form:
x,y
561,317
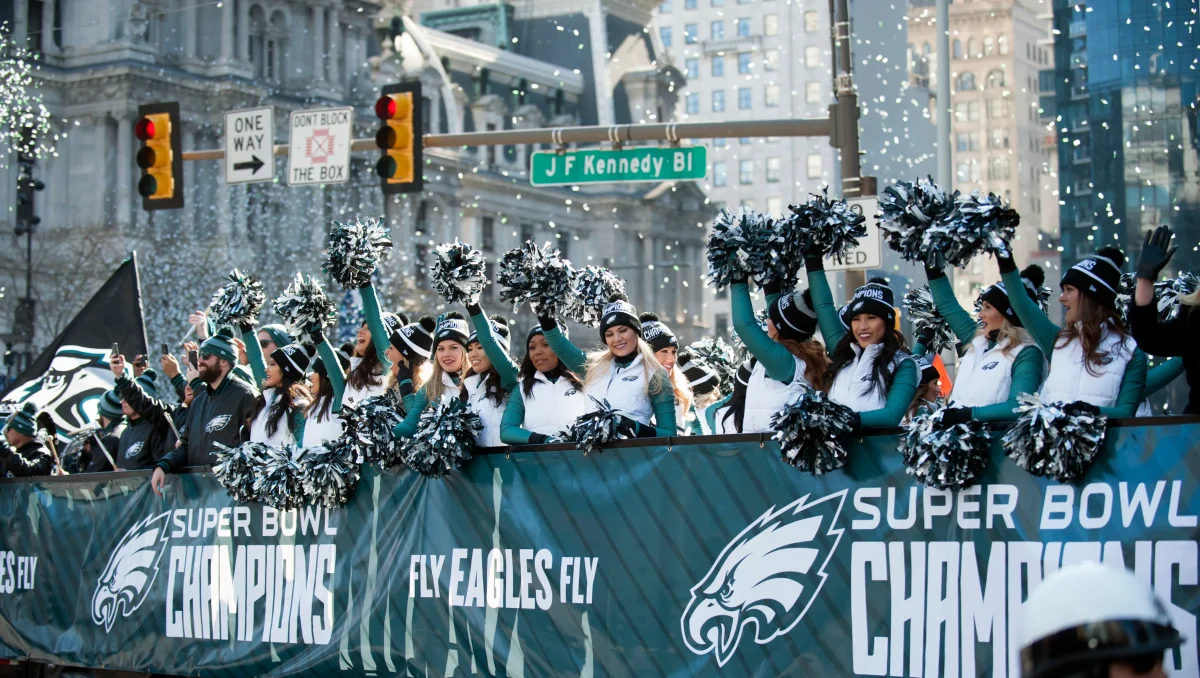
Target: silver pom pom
x,y
329,473
1168,292
367,429
1055,440
719,357
945,457
538,276
304,306
235,470
981,224
239,301
597,428
810,432
445,439
924,315
277,478
738,246
354,250
822,225
458,273
591,290
907,210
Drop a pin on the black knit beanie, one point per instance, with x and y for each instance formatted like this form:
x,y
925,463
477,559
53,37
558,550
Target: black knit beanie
x,y
1098,276
793,316
1033,276
658,335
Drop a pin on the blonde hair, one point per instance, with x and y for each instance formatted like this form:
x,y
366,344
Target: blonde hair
x,y
683,392
434,387
706,400
599,364
1192,299
420,376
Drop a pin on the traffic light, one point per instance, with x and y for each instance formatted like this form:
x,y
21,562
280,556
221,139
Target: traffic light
x,y
399,138
160,157
27,188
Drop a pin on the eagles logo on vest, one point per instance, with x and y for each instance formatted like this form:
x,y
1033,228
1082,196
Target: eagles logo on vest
x,y
633,377
571,392
991,366
133,450
217,423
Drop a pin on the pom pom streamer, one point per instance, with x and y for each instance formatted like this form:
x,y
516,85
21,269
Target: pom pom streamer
x,y
235,469
458,273
831,227
367,429
945,457
538,276
924,315
304,306
1168,292
981,224
907,210
738,246
591,289
329,473
1054,440
718,356
597,428
239,301
354,250
810,432
445,439
278,476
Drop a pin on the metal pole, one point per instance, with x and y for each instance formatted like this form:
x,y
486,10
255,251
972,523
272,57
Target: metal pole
x,y
945,176
847,124
29,261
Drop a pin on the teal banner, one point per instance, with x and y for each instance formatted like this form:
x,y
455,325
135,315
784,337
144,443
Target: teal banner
x,y
700,559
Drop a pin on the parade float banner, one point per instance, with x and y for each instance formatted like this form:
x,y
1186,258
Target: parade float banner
x,y
698,559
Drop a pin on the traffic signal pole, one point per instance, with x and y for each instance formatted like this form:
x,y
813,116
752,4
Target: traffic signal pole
x,y
845,115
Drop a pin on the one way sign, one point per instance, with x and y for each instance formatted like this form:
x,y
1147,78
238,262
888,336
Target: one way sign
x,y
249,145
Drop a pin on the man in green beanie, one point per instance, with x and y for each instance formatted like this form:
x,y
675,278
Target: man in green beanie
x,y
22,455
112,420
143,442
218,414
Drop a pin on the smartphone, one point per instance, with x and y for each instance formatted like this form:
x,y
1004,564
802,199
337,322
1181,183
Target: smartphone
x,y
194,359
116,350
166,350
140,361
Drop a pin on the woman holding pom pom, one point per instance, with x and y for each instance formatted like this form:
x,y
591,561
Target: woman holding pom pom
x,y
625,372
449,364
725,416
327,383
492,374
408,351
1001,361
705,385
370,364
279,413
666,350
548,397
871,371
1092,359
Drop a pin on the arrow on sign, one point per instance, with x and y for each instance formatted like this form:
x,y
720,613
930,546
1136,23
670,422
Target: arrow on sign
x,y
254,164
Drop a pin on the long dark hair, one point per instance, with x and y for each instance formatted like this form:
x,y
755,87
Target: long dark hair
x,y
560,371
369,371
290,393
883,372
491,386
322,400
737,406
1093,316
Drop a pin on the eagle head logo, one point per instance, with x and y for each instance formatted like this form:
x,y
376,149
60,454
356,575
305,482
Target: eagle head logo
x,y
768,575
217,423
131,569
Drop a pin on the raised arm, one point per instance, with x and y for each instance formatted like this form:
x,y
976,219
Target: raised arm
x,y
1133,388
822,299
374,317
899,397
1043,330
961,322
254,353
1028,370
21,467
143,404
776,359
414,405
501,360
333,368
571,355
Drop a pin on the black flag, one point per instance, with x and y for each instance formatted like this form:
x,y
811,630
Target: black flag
x,y
67,380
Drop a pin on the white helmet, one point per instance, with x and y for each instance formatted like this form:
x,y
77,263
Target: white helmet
x,y
1089,615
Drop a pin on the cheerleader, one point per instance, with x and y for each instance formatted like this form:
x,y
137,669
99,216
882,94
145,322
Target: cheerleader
x,y
725,416
1001,359
927,390
625,372
1173,337
279,412
370,365
327,383
666,351
705,386
449,360
553,393
871,371
1092,359
408,351
491,374
788,360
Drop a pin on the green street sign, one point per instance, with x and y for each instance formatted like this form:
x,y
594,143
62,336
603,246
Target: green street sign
x,y
602,166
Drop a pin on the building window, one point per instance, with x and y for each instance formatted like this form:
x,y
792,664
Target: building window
x,y
999,139
957,49
973,49
989,45
812,56
720,142
1002,45
743,28
744,62
966,111
720,174
745,172
718,30
999,109
812,22
814,165
691,33
770,60
771,96
995,79
998,168
664,34
774,206
689,4
968,170
718,66
718,3
744,141
718,100
966,141
487,233
746,204
692,103
527,234
771,24
745,98
965,82
691,68
774,168
812,92
664,7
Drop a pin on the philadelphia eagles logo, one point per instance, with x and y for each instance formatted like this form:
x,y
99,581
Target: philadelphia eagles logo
x,y
217,423
131,569
767,576
133,450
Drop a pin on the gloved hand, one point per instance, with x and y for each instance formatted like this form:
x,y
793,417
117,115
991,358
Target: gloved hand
x,y
548,322
317,336
932,273
773,287
955,415
856,423
924,336
630,428
1080,407
474,309
1156,252
543,439
403,372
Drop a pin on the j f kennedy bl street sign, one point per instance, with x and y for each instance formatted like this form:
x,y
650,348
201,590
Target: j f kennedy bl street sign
x,y
627,165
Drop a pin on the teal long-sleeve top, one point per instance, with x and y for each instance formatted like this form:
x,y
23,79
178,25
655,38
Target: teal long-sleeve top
x,y
1028,368
501,361
333,369
258,364
1159,376
662,401
904,382
374,317
1045,333
778,362
513,421
710,412
414,405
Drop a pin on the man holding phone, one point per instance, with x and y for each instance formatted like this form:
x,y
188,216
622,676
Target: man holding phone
x,y
217,415
143,441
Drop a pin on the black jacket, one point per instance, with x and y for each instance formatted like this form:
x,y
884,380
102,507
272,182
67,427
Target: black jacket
x,y
1177,337
216,416
144,441
110,437
30,459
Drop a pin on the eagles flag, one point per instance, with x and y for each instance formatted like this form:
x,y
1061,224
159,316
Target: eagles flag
x,y
68,378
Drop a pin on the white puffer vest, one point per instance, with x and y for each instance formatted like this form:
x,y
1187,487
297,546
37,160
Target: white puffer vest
x,y
551,408
354,395
1070,381
283,434
626,390
488,411
318,432
765,397
985,375
849,384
